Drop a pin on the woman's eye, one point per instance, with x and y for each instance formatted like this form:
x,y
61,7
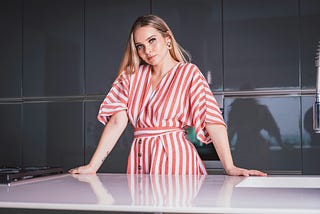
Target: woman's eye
x,y
139,47
152,40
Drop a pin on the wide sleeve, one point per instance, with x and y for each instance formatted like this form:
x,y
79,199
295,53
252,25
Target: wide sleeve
x,y
204,107
116,100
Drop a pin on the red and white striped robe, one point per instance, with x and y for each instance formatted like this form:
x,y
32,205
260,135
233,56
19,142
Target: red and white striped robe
x,y
182,98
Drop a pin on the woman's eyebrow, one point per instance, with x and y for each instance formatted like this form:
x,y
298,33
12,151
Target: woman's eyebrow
x,y
138,43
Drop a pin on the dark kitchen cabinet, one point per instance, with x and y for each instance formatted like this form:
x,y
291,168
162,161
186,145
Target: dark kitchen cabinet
x,y
197,26
10,134
53,134
58,59
310,41
264,132
310,140
261,44
107,30
10,48
53,50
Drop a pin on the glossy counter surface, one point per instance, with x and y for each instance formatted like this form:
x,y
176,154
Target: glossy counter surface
x,y
184,194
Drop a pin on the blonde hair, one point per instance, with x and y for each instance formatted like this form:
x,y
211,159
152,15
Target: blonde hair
x,y
131,61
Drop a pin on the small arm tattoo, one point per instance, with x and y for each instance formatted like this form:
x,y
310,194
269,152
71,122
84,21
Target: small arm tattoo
x,y
105,156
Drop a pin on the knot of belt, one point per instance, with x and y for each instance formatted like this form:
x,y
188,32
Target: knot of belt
x,y
155,131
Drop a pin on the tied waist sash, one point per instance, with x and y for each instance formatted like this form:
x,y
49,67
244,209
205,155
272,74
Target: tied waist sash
x,y
155,131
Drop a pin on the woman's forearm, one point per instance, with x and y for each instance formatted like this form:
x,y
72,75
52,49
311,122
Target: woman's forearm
x,y
110,135
219,137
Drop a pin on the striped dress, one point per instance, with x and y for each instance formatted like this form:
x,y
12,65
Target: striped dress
x,y
182,98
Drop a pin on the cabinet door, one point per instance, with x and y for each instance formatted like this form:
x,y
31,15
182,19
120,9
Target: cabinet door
x,y
53,47
261,44
264,132
197,26
53,134
310,140
107,30
310,37
10,51
10,134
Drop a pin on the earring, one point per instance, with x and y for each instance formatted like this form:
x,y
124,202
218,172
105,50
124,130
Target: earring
x,y
169,45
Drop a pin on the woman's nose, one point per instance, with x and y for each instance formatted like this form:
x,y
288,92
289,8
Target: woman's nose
x,y
148,49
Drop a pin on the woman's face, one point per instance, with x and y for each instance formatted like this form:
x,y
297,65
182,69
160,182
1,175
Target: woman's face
x,y
151,45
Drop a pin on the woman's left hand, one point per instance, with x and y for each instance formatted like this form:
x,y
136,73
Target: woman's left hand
x,y
236,171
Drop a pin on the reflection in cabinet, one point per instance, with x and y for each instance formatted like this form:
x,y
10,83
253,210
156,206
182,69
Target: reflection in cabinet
x,y
310,140
264,132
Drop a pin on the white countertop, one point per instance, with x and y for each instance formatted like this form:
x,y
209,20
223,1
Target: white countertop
x,y
184,194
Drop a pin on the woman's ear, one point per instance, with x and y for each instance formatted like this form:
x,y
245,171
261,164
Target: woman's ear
x,y
169,35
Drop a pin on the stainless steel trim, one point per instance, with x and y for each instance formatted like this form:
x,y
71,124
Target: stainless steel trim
x,y
219,94
269,92
52,99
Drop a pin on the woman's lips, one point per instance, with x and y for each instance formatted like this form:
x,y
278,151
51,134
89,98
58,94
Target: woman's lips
x,y
150,58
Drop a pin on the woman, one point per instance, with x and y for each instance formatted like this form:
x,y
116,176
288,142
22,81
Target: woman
x,y
161,93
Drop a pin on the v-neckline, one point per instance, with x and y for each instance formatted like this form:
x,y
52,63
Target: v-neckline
x,y
154,89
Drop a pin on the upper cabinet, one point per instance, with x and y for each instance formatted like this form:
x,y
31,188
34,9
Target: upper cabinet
x,y
310,37
261,44
107,30
10,48
53,52
197,26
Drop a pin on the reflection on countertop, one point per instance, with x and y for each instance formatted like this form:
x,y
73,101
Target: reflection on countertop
x,y
160,193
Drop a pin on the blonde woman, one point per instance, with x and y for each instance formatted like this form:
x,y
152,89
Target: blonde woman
x,y
160,92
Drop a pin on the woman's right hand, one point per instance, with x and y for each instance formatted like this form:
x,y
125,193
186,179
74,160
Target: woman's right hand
x,y
86,169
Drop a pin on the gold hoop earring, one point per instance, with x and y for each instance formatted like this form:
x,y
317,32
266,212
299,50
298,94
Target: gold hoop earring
x,y
169,45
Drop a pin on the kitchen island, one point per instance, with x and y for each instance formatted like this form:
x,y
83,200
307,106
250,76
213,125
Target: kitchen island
x,y
168,194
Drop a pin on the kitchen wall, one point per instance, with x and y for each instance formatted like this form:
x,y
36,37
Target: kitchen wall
x,y
59,58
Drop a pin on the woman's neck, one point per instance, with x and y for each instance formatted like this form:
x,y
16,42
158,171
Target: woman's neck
x,y
160,70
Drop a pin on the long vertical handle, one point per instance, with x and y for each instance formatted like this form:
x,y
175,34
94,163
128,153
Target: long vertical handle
x,y
316,106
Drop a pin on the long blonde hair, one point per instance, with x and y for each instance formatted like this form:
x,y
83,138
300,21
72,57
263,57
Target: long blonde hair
x,y
131,61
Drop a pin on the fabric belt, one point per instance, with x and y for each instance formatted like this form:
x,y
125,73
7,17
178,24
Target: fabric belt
x,y
155,131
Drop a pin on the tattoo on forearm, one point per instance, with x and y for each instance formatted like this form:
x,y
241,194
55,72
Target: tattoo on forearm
x,y
105,156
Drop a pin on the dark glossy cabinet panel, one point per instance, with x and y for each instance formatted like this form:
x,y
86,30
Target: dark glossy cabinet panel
x,y
10,135
10,48
264,132
116,161
261,44
57,57
197,26
107,30
53,52
310,37
310,140
53,134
